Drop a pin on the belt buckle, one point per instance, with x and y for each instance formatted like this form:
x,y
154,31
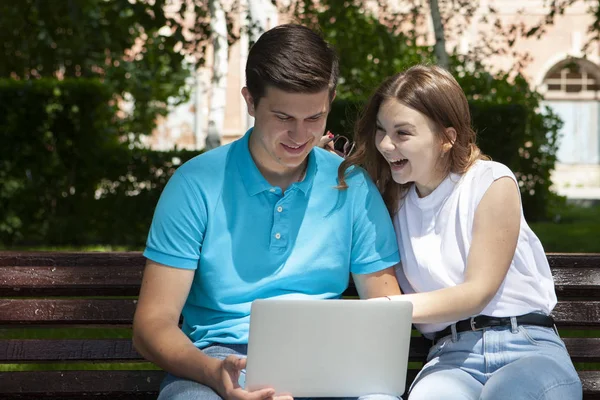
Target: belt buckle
x,y
474,328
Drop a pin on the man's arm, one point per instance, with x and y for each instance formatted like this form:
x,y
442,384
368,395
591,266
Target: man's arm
x,y
157,336
377,284
156,332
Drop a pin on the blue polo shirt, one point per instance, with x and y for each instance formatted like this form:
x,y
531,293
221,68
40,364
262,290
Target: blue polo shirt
x,y
246,240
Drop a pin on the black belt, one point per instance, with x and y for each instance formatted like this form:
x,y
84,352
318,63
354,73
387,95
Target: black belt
x,y
483,321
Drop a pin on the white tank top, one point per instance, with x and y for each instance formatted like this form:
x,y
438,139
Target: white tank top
x,y
434,235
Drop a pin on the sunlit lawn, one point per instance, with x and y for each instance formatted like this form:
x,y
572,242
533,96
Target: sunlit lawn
x,y
576,231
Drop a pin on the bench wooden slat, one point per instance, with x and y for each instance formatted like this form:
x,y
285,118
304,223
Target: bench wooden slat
x,y
120,384
63,311
35,281
591,384
125,280
56,258
108,350
577,314
117,311
583,349
54,350
75,259
114,350
573,260
79,382
78,396
583,282
580,349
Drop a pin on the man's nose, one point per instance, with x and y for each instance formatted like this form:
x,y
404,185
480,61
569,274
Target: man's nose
x,y
299,132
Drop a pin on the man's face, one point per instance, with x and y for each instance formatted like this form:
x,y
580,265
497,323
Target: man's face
x,y
287,126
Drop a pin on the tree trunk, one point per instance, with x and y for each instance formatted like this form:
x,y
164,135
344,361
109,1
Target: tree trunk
x,y
216,117
200,90
246,120
263,16
440,41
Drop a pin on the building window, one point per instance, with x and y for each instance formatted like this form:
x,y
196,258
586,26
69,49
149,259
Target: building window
x,y
573,77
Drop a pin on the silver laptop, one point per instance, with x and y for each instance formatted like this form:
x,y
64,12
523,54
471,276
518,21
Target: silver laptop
x,y
329,348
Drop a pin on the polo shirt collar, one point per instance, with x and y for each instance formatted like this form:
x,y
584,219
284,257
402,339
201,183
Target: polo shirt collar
x,y
254,181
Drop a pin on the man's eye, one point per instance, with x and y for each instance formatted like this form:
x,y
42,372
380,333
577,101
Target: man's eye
x,y
283,118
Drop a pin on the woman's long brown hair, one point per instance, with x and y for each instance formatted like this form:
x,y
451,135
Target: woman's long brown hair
x,y
433,92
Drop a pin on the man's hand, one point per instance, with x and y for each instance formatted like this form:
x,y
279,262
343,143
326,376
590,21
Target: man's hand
x,y
230,389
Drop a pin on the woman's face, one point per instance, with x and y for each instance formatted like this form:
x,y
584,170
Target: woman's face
x,y
408,141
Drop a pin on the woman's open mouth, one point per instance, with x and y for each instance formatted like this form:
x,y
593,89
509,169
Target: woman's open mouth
x,y
398,164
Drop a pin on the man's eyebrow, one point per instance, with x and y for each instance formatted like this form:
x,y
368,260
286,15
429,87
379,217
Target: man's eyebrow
x,y
290,116
317,114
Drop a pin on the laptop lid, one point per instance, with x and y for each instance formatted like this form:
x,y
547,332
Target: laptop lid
x,y
329,348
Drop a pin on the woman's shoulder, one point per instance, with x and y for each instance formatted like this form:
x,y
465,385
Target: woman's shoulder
x,y
480,177
493,169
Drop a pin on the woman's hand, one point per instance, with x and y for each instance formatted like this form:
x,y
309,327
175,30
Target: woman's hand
x,y
326,142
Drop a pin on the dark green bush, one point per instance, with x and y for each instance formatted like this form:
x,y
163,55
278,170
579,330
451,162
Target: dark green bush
x,y
65,175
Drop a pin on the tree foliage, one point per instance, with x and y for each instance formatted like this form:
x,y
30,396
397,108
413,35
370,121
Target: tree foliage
x,y
369,49
136,48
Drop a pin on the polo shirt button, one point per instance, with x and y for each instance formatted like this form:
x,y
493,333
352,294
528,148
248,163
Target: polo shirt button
x,y
278,236
279,209
272,190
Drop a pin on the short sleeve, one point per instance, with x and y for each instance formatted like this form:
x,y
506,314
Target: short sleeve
x,y
178,225
374,245
486,174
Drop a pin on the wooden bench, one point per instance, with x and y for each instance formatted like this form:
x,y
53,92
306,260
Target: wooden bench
x,y
96,291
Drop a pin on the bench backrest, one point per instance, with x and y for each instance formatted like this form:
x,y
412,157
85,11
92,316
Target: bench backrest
x,y
94,293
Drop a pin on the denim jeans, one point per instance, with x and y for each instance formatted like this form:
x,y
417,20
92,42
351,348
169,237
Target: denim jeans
x,y
175,388
518,362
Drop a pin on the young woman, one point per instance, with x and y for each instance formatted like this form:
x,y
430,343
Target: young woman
x,y
475,272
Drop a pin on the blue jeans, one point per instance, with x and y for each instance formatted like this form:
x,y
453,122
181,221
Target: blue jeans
x,y
175,388
518,362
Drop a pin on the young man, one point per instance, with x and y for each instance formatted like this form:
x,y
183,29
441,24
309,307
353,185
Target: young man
x,y
259,218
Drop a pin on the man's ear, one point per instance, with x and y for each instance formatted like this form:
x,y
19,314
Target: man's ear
x,y
332,99
249,101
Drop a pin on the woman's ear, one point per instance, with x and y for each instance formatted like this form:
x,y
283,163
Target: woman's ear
x,y
451,135
450,138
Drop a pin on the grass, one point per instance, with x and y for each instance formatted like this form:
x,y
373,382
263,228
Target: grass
x,y
92,247
121,366
575,230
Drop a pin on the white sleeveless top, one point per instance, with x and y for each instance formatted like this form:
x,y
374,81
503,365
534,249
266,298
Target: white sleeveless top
x,y
434,235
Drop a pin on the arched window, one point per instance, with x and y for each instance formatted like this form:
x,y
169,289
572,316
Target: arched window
x,y
573,78
572,91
